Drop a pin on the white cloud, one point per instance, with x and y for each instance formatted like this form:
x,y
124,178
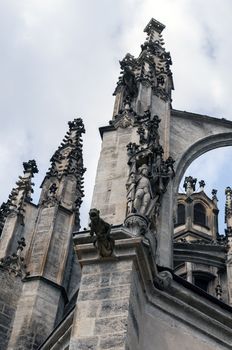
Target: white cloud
x,y
59,59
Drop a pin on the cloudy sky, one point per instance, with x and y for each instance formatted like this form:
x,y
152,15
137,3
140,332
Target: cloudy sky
x,y
59,60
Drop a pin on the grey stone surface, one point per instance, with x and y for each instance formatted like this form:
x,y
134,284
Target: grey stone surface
x,y
102,311
35,316
10,289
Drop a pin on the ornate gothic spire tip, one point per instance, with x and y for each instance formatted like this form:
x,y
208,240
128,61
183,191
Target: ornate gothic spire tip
x,y
155,25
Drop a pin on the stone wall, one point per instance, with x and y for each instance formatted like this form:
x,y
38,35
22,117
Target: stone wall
x,y
162,331
36,315
136,314
110,186
102,306
9,295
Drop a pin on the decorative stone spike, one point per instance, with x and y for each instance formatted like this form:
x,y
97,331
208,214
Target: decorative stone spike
x,y
149,74
154,26
214,196
63,183
202,185
4,210
22,192
14,263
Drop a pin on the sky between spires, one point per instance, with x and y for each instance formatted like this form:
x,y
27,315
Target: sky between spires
x,y
59,60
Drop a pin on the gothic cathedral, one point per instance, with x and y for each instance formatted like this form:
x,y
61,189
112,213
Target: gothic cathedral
x,y
152,270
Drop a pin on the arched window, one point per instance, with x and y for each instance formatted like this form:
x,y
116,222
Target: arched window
x,y
201,282
180,215
202,279
199,216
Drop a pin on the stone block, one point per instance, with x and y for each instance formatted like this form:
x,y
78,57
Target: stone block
x,y
9,311
3,330
114,307
87,309
85,327
5,320
1,306
105,280
119,278
110,325
113,341
110,266
85,343
105,293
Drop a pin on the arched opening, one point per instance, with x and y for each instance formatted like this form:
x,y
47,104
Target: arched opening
x,y
180,215
202,279
201,282
198,149
215,168
199,214
208,159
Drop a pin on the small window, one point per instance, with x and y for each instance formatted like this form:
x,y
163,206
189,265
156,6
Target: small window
x,y
201,282
180,215
199,214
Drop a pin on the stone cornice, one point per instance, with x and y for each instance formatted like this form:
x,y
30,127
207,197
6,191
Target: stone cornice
x,y
208,254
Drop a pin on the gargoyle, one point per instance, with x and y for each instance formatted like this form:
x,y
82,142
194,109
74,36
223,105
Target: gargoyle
x,y
101,229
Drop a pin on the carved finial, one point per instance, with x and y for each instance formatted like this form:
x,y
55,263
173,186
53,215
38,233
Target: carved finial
x,y
68,157
202,185
30,167
14,263
189,185
150,70
21,193
154,25
214,196
4,211
77,125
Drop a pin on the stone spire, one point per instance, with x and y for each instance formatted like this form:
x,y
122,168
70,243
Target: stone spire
x,y
23,190
139,140
51,250
145,83
63,183
13,211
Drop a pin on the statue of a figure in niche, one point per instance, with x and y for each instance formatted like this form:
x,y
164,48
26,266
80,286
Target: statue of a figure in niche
x,y
131,187
101,229
129,82
143,191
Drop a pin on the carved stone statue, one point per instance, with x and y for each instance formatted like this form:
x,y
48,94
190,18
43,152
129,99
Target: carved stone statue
x,y
101,229
143,191
129,83
131,188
